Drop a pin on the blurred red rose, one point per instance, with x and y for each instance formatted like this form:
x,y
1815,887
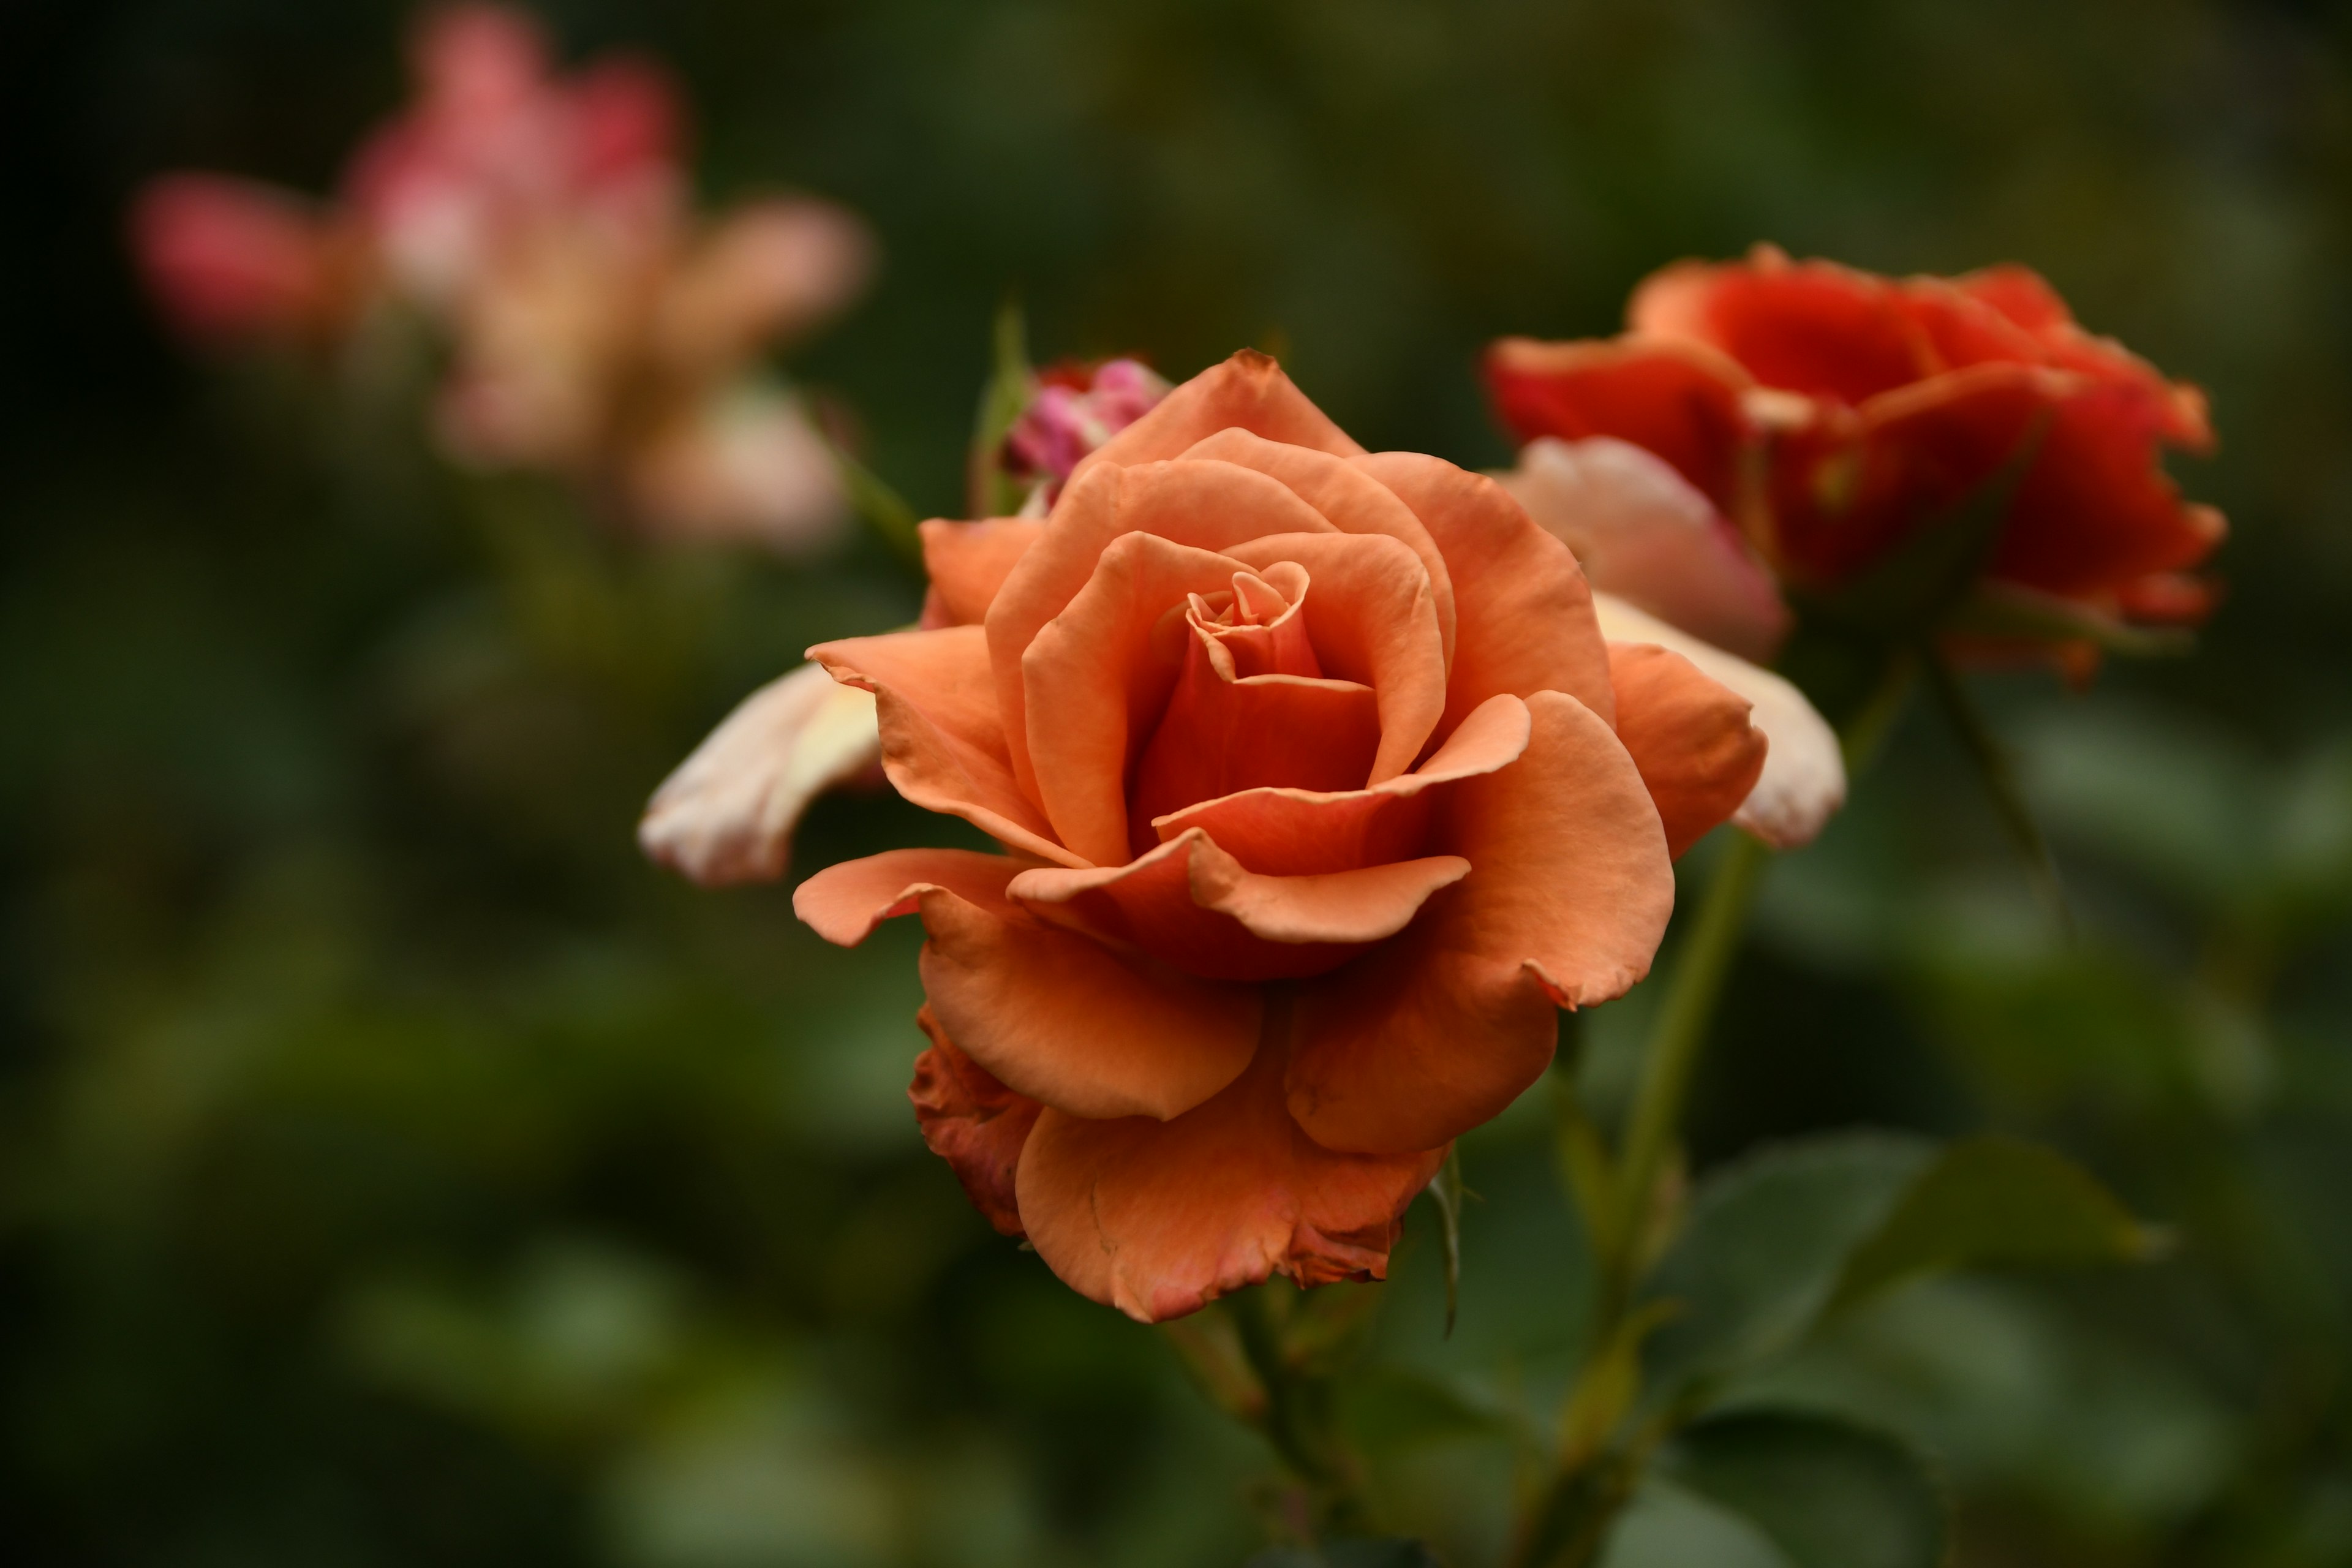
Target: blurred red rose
x,y
1830,413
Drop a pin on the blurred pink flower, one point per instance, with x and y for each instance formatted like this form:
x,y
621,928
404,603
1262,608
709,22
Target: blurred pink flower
x,y
227,257
539,219
1077,409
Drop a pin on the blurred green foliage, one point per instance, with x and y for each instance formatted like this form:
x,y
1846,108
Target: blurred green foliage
x,y
395,1169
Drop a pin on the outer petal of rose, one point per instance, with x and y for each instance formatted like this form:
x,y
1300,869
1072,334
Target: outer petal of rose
x,y
2097,510
974,1122
1295,831
1526,612
967,563
1158,1220
1248,391
1678,399
1810,327
1208,506
1091,672
726,814
2021,295
1193,905
942,747
1803,781
1568,897
1691,739
1054,1015
1353,500
1643,532
1372,618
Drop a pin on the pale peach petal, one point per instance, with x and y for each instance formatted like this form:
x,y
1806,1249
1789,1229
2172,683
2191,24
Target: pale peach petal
x,y
1372,619
1690,738
1569,893
766,269
1054,1015
1646,534
1353,500
1524,613
726,814
1293,832
942,747
1194,906
1803,782
1248,391
1208,506
967,563
1158,1218
974,1122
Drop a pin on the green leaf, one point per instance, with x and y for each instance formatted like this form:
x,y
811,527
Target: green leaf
x,y
1384,1554
1763,1249
1992,1201
1446,1191
1827,1493
1012,385
884,509
1781,1239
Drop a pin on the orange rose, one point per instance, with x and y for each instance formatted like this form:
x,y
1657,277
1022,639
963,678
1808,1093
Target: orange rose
x,y
1321,792
1830,413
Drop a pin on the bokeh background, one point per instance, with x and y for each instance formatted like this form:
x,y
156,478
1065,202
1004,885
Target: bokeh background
x,y
395,1169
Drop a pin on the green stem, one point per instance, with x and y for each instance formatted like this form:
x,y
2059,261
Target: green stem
x,y
1700,967
1300,1422
884,509
1993,768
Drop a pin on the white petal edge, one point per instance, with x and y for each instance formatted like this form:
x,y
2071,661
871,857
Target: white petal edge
x,y
726,815
1803,782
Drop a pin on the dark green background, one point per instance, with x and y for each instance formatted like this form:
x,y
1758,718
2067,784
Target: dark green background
x,y
394,1169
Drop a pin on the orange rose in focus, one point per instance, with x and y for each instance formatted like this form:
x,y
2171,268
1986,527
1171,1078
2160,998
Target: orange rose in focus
x,y
1829,413
1321,791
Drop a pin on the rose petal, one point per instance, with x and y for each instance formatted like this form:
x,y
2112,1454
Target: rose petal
x,y
1158,1220
942,747
1643,532
1291,831
1208,506
1803,781
1690,737
1351,499
967,563
974,1122
1372,619
1525,610
1193,905
1568,896
1680,400
1096,679
1809,327
1248,391
726,814
1056,1015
